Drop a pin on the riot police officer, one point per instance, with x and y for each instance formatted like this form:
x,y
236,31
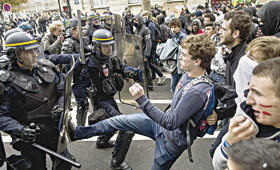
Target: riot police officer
x,y
72,46
128,21
108,23
94,24
84,20
32,93
26,27
105,72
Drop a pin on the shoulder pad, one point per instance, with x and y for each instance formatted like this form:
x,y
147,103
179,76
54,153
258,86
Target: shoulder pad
x,y
46,73
25,82
4,75
45,62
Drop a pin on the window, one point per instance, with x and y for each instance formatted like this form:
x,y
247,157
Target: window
x,y
134,1
46,6
98,3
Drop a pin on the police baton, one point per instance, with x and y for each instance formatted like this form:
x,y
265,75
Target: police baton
x,y
81,38
50,152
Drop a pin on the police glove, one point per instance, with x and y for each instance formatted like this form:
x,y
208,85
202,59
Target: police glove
x,y
29,133
135,75
56,113
225,92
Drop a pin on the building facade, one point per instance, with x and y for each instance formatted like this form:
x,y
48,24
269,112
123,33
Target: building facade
x,y
46,7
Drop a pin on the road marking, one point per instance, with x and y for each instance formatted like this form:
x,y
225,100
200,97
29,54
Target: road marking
x,y
137,137
153,101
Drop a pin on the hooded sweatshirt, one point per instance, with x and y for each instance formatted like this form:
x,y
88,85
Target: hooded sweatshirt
x,y
270,16
199,27
145,34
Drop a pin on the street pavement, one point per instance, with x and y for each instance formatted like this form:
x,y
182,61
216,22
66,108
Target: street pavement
x,y
141,152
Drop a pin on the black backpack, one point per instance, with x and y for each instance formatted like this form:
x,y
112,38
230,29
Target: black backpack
x,y
159,34
166,33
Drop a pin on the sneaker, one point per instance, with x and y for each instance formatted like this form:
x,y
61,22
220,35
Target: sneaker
x,y
161,80
155,80
122,166
70,127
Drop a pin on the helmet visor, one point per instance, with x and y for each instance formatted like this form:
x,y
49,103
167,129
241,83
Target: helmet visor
x,y
108,49
28,58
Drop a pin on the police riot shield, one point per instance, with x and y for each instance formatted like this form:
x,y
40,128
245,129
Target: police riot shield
x,y
129,52
62,142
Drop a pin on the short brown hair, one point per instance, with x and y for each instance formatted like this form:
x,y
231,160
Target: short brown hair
x,y
240,20
265,47
200,46
270,68
54,26
175,22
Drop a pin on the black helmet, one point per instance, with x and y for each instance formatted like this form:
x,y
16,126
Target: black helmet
x,y
26,27
103,37
20,41
11,31
83,20
106,16
93,15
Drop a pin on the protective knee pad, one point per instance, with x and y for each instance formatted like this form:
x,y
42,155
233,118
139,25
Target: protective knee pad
x,y
125,138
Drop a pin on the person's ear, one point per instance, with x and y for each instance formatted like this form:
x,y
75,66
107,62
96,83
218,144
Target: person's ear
x,y
236,34
197,62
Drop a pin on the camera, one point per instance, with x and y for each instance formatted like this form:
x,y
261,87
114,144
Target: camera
x,y
66,35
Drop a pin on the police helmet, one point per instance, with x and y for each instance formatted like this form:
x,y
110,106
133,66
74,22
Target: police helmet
x,y
84,20
93,15
20,41
106,16
26,27
56,18
103,37
70,20
11,31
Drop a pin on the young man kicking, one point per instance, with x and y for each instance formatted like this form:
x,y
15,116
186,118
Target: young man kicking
x,y
167,129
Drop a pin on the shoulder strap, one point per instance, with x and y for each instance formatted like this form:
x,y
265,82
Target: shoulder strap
x,y
197,80
50,39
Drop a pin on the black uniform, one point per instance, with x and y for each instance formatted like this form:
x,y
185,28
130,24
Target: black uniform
x,y
29,97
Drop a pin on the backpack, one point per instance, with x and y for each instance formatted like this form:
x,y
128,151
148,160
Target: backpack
x,y
204,127
159,34
166,33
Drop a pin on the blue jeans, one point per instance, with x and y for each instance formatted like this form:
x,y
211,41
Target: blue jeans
x,y
174,81
218,140
217,78
165,154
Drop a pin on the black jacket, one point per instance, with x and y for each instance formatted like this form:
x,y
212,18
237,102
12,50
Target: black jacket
x,y
152,27
232,61
145,34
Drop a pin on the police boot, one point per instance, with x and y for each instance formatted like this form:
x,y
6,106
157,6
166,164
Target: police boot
x,y
103,141
82,110
119,154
